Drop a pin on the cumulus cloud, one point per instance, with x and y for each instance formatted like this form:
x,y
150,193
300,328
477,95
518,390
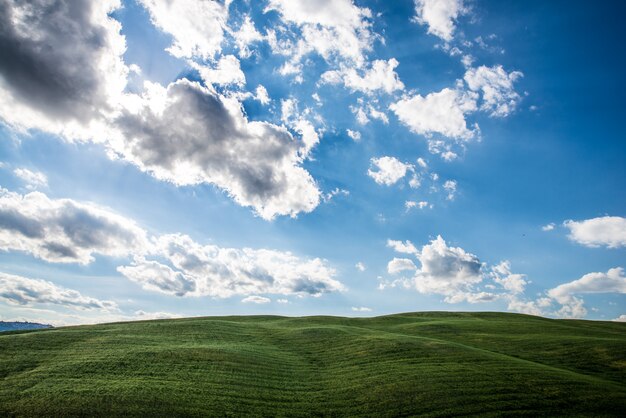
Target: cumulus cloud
x,y
335,192
440,16
405,247
61,66
261,95
380,77
450,187
548,227
245,36
209,270
530,307
188,134
154,276
355,135
608,231
297,120
498,94
360,266
456,274
24,291
331,28
441,113
449,271
566,300
514,283
361,309
256,299
398,265
145,316
63,230
410,204
227,71
621,318
613,281
33,179
71,80
388,170
196,26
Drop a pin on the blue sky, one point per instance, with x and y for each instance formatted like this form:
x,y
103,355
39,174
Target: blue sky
x,y
193,158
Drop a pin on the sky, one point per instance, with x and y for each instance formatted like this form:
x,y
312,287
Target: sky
x,y
187,158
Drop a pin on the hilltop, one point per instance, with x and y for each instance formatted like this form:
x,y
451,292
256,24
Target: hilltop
x,y
433,363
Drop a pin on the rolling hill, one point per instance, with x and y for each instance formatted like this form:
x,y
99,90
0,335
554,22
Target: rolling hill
x,y
432,364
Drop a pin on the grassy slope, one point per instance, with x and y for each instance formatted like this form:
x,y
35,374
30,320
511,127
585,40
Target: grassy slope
x,y
437,364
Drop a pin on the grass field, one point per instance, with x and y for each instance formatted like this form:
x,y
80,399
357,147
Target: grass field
x,y
433,364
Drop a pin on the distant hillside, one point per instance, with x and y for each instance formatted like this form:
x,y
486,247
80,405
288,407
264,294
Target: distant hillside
x,y
432,364
18,326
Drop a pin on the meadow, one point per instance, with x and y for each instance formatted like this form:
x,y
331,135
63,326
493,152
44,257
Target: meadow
x,y
429,364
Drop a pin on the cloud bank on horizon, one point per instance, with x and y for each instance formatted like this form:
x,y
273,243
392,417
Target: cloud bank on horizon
x,y
292,116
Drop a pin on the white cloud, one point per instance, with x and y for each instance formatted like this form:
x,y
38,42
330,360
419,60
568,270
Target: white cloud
x,y
450,187
388,170
360,114
449,271
398,265
621,318
63,230
157,277
331,28
297,120
226,72
256,299
33,179
261,95
283,301
499,97
442,113
188,134
246,35
142,315
24,291
609,231
548,227
613,281
514,283
196,26
377,114
361,309
454,273
410,204
335,192
355,135
529,307
440,16
360,266
381,76
209,270
565,300
405,247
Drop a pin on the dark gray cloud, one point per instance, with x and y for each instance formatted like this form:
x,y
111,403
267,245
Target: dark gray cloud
x,y
60,57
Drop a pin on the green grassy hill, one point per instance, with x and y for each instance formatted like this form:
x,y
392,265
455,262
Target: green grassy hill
x,y
434,364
